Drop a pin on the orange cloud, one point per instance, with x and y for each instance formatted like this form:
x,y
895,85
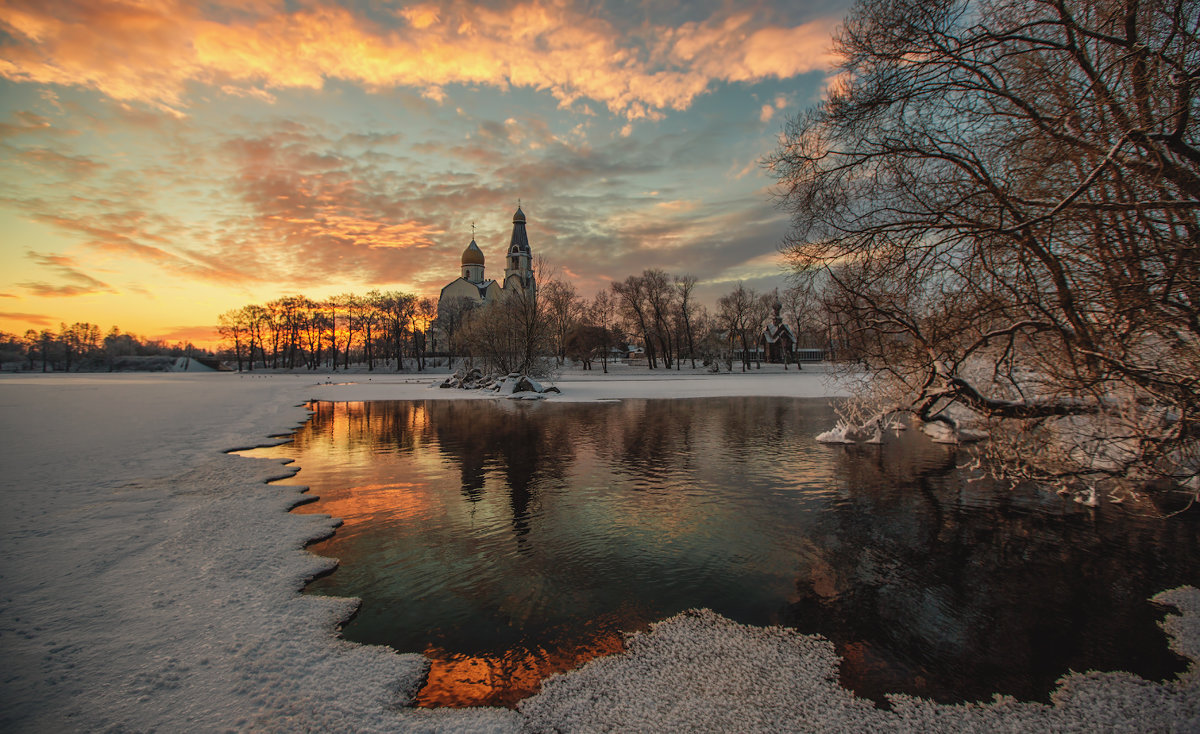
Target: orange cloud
x,y
149,52
289,207
26,123
36,319
122,231
314,212
77,283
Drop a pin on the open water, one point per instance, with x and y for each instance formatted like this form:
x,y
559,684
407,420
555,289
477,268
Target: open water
x,y
507,541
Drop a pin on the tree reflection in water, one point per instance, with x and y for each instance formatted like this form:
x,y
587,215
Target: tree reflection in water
x,y
954,591
507,541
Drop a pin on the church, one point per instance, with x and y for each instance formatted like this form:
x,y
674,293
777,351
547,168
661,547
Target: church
x,y
477,290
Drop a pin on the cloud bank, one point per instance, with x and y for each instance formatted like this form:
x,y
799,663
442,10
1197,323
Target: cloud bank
x,y
150,52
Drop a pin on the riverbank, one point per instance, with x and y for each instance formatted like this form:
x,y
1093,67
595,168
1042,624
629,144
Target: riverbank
x,y
151,581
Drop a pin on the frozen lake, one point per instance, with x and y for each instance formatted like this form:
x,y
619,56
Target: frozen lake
x,y
507,541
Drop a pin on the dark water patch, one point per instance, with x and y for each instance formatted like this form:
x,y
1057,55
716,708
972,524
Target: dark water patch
x,y
508,541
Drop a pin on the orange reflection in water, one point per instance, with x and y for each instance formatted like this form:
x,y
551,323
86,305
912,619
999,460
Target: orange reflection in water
x,y
394,501
467,680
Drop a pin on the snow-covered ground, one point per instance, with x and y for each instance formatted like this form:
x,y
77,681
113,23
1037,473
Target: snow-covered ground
x,y
148,580
622,381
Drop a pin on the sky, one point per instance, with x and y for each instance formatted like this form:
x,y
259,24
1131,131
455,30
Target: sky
x,y
164,161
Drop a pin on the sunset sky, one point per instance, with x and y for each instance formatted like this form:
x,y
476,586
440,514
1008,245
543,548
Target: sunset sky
x,y
166,160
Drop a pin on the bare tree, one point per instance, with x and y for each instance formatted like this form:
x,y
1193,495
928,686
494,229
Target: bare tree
x,y
660,297
67,337
684,285
799,307
584,343
634,309
371,322
31,342
735,311
511,335
116,345
760,311
46,343
563,307
232,328
256,320
601,312
313,323
351,310
397,310
712,341
452,314
289,316
425,315
1004,198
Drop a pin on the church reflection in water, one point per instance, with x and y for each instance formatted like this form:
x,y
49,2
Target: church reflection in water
x,y
508,541
513,442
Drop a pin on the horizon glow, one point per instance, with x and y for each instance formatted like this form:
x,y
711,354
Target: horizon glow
x,y
166,162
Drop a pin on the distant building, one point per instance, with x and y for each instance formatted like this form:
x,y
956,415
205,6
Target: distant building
x,y
777,342
473,288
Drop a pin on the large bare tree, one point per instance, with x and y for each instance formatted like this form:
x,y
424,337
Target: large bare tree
x,y
452,314
735,315
601,312
686,311
635,313
660,297
511,335
563,308
1003,199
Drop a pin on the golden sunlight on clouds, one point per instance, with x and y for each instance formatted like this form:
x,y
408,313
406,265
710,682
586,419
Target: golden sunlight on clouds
x,y
167,160
420,16
149,52
768,110
763,266
678,206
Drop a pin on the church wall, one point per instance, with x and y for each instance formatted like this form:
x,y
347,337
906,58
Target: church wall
x,y
460,288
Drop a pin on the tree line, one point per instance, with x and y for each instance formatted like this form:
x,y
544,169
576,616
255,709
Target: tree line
x,y
80,347
654,316
380,329
655,312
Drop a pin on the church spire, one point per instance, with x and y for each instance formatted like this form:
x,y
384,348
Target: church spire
x,y
519,262
520,239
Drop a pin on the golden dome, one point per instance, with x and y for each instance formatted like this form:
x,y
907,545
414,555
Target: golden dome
x,y
472,255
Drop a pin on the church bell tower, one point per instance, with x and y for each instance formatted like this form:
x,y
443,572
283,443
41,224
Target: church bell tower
x,y
519,260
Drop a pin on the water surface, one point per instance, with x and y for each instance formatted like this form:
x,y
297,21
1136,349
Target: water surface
x,y
507,541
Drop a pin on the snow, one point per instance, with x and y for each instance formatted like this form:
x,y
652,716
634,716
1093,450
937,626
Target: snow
x,y
1087,497
873,432
843,432
187,364
584,386
940,432
698,671
151,581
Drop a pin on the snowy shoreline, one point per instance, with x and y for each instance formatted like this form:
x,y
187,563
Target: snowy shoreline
x,y
152,580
